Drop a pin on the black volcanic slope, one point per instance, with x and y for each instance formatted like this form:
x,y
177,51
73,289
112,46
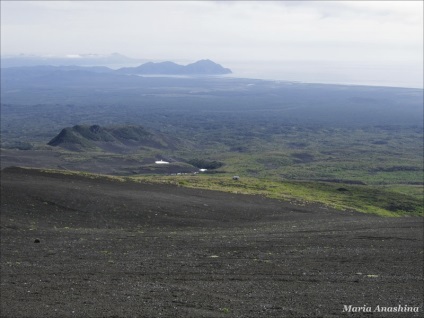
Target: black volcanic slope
x,y
85,137
74,246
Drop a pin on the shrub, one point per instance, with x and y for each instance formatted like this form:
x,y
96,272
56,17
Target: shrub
x,y
205,164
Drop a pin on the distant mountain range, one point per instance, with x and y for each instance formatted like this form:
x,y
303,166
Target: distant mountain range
x,y
113,60
202,67
102,63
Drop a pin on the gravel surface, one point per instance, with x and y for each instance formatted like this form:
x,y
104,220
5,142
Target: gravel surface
x,y
72,246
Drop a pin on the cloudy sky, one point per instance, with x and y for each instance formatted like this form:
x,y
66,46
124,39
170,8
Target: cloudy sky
x,y
340,37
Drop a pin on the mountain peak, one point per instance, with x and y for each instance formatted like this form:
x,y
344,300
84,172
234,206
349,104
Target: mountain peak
x,y
201,67
205,67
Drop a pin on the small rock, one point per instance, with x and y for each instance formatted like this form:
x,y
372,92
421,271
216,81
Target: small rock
x,y
36,241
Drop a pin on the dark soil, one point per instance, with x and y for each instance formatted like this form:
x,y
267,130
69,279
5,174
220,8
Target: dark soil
x,y
103,164
72,246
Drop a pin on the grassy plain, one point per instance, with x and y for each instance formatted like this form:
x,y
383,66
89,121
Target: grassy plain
x,y
384,201
368,199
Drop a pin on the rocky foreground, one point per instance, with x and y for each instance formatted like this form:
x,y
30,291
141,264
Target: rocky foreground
x,y
73,246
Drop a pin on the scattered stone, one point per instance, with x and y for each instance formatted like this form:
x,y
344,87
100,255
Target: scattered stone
x,y
36,241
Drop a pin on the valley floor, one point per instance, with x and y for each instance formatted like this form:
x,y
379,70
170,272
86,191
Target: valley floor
x,y
75,246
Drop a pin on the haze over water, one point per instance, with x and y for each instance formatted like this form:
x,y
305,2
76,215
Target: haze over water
x,y
340,42
353,73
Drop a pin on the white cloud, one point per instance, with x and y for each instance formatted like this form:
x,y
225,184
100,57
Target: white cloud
x,y
367,31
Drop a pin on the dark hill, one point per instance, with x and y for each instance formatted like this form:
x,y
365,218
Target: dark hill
x,y
205,67
70,139
113,139
202,67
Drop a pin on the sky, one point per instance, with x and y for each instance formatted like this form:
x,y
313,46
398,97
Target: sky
x,y
343,41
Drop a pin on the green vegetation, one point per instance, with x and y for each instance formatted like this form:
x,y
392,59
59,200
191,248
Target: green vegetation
x,y
73,139
205,164
383,201
299,142
95,137
367,199
21,145
225,310
130,133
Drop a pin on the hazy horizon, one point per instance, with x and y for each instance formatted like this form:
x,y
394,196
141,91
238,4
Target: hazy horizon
x,y
345,42
336,72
